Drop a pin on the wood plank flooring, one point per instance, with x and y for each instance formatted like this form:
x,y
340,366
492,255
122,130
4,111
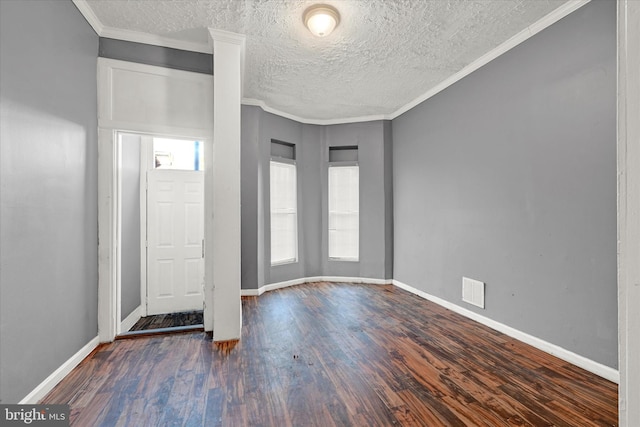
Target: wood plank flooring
x,y
336,355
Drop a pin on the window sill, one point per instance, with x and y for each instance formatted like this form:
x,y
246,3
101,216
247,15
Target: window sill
x,y
279,263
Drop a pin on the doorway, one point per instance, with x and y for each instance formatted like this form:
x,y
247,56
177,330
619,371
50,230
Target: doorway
x,y
161,244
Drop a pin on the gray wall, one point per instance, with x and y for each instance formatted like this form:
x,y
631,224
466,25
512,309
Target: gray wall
x,y
276,127
388,204
130,228
369,137
252,248
312,142
509,177
310,201
312,150
48,186
156,55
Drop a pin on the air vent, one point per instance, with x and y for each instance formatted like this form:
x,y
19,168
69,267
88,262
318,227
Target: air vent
x,y
473,292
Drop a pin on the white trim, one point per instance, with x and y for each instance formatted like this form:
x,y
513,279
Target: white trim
x,y
118,64
223,308
629,211
294,282
290,165
557,351
154,40
117,200
107,242
514,41
251,292
152,129
58,375
320,122
366,280
234,39
106,67
146,162
108,191
131,319
228,37
88,14
151,39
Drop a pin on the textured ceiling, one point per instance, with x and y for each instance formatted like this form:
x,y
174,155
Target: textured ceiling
x,y
383,55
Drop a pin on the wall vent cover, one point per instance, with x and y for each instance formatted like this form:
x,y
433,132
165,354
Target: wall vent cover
x,y
473,292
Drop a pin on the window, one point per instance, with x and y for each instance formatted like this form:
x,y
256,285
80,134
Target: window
x,y
344,212
284,213
177,154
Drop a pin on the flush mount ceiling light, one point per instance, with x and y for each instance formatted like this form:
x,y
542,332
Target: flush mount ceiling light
x,y
321,19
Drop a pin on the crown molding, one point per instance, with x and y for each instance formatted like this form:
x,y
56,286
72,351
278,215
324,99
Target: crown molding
x,y
239,39
514,41
308,121
91,17
228,37
136,36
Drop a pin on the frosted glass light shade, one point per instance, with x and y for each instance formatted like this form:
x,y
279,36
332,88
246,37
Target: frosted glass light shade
x,y
321,19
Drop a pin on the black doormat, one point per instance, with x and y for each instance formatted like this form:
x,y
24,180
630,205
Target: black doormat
x,y
171,320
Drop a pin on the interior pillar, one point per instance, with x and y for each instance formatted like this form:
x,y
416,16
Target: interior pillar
x,y
223,309
629,211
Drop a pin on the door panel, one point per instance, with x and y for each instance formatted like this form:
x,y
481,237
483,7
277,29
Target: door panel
x,y
175,227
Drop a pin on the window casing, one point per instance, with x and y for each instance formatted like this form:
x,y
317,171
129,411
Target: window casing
x,y
344,212
284,212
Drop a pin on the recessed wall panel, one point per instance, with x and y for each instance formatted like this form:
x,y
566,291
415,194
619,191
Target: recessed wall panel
x,y
165,277
193,276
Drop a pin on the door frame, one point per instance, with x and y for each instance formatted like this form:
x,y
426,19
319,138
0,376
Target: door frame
x,y
146,165
110,220
628,146
130,102
178,102
146,149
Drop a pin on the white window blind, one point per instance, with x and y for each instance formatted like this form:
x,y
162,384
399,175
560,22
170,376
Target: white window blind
x,y
344,213
284,213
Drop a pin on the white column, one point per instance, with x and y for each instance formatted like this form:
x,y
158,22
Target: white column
x,y
108,298
223,308
629,211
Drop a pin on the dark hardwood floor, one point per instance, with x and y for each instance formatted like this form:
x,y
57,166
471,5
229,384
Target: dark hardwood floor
x,y
336,355
173,320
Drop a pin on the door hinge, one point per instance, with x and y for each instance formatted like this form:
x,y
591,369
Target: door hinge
x,y
202,248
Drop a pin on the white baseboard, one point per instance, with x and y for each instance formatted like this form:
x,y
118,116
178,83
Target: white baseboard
x,y
131,319
52,380
294,282
557,351
250,292
366,280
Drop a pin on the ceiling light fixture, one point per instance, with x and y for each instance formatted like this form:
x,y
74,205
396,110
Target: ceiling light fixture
x,y
321,19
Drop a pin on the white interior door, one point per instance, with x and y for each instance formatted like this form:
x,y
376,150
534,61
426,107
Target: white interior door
x,y
175,239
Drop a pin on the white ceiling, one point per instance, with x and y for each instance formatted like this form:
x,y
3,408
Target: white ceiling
x,y
384,55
